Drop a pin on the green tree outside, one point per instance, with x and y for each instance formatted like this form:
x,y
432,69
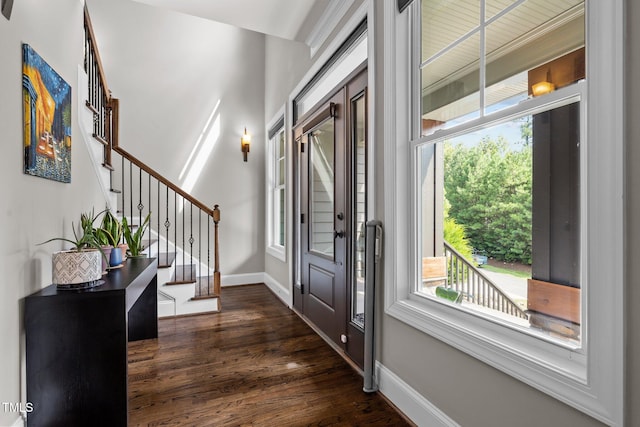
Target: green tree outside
x,y
488,191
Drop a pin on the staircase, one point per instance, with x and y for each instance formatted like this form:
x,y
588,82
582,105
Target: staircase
x,y
185,286
182,233
469,284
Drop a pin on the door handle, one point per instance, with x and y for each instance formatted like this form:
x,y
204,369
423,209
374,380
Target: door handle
x,y
337,234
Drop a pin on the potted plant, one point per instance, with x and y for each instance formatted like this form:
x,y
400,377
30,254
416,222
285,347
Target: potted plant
x,y
110,233
134,239
106,248
83,263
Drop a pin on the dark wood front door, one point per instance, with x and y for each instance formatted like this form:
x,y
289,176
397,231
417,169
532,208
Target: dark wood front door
x,y
331,169
322,209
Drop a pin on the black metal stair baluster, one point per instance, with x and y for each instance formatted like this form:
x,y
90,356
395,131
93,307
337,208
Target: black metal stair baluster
x,y
87,57
96,119
90,75
86,50
167,223
183,246
122,187
158,215
149,211
93,82
191,244
200,243
140,205
175,229
208,256
131,191
101,109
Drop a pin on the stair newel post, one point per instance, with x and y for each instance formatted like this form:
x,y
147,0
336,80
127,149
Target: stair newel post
x,y
216,254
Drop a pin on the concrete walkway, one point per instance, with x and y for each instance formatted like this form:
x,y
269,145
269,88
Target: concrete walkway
x,y
514,287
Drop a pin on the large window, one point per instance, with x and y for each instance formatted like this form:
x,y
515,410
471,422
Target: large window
x,y
276,191
496,232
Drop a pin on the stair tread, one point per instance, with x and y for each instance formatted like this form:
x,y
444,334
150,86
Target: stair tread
x,y
165,260
183,274
204,288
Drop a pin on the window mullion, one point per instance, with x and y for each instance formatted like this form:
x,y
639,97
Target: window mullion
x,y
559,97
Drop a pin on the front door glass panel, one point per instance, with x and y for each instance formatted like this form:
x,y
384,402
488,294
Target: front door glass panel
x,y
359,210
321,191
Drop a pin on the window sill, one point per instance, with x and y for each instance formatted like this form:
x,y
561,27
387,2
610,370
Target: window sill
x,y
558,371
278,252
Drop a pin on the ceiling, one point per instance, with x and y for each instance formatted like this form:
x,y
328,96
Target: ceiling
x,y
287,19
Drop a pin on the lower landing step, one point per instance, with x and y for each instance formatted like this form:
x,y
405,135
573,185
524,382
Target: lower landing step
x,y
172,308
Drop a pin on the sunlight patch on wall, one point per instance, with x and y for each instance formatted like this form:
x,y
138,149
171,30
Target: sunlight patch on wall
x,y
201,151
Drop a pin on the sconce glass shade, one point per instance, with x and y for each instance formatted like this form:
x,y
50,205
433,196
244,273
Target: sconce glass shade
x,y
245,144
542,88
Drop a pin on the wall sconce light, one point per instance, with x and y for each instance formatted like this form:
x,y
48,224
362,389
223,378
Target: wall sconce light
x,y
245,143
544,86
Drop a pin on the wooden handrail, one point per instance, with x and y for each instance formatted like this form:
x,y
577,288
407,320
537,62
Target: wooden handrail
x,y
92,37
139,163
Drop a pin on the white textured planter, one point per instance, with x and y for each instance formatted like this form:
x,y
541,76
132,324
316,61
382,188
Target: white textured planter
x,y
73,267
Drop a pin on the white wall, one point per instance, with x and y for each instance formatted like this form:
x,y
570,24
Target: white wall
x,y
34,209
285,65
170,71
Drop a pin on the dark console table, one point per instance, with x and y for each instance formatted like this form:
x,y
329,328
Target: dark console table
x,y
76,346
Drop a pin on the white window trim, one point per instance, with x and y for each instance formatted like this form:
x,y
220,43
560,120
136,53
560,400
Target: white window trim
x,y
591,382
272,248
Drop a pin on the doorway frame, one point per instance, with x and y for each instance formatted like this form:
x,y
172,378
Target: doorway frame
x,y
366,12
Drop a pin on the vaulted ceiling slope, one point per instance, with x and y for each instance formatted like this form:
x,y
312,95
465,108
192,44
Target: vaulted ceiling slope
x,y
287,19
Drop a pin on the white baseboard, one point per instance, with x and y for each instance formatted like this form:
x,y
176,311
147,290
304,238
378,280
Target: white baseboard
x,y
249,278
277,288
241,279
410,402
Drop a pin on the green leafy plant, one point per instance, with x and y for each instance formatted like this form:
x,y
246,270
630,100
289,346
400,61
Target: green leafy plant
x,y
110,231
86,237
134,240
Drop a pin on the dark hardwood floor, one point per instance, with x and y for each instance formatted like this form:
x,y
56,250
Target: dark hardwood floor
x,y
256,363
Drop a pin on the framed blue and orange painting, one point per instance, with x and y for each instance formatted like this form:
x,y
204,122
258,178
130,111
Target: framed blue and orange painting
x,y
47,119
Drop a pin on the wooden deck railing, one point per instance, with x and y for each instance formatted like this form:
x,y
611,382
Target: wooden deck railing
x,y
475,287
180,219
